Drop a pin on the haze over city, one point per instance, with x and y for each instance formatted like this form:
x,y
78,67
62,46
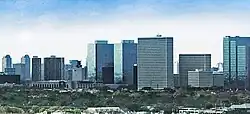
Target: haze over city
x,y
64,27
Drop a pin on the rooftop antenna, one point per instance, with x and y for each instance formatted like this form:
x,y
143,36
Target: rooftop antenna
x,y
158,35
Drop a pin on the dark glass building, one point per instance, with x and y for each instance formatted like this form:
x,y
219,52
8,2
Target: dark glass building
x,y
9,79
53,68
36,68
100,54
125,56
108,75
135,77
236,64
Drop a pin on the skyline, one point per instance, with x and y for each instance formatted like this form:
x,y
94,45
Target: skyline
x,y
38,26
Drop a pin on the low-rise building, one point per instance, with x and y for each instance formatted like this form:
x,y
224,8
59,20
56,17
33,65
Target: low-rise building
x,y
176,80
6,78
202,111
218,79
199,78
85,84
50,84
97,110
55,84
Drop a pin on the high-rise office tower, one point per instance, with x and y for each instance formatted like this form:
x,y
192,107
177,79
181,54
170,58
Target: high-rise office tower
x,y
125,56
26,60
100,54
155,62
6,62
236,61
20,70
36,68
53,68
191,62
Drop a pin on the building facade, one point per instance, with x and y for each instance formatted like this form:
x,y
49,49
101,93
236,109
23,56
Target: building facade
x,y
10,71
36,69
42,71
135,76
236,61
200,78
20,70
77,74
191,62
218,79
26,60
68,71
125,56
6,62
9,79
53,68
100,54
108,75
155,62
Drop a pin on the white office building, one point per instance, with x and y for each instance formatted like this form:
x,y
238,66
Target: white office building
x,y
155,62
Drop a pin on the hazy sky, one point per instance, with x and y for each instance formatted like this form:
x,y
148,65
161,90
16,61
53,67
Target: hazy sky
x,y
64,27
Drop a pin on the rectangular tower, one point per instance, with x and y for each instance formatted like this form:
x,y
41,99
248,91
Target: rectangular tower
x,y
236,61
53,68
125,56
36,69
100,54
155,62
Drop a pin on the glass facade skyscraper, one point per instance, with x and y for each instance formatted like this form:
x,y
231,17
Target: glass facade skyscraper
x,y
100,54
6,62
236,63
125,56
155,62
53,68
26,60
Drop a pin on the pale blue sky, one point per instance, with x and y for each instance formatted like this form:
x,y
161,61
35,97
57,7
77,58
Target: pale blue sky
x,y
64,27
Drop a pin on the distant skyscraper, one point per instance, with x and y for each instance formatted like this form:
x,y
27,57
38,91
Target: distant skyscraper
x,y
20,70
155,62
125,56
26,60
77,73
53,68
100,54
6,62
191,62
236,61
36,68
